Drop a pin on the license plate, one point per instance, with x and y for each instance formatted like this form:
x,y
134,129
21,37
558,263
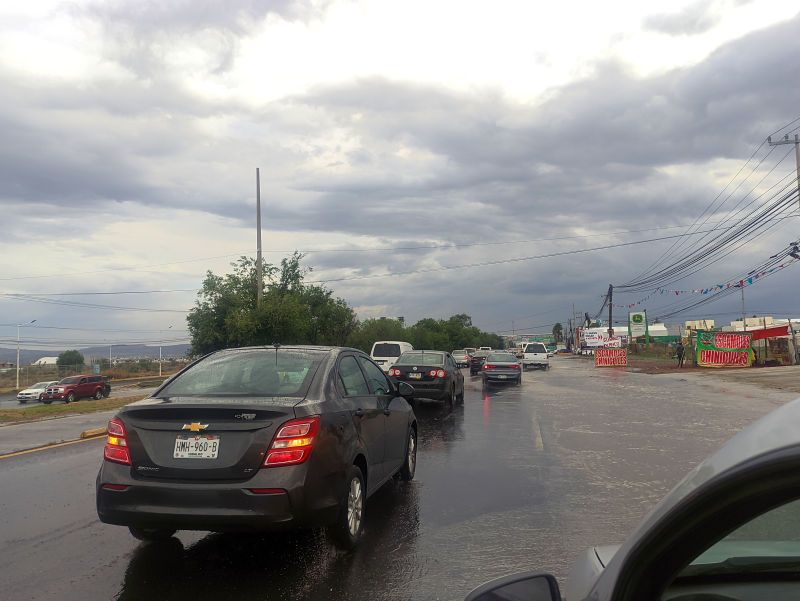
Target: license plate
x,y
196,447
499,377
415,376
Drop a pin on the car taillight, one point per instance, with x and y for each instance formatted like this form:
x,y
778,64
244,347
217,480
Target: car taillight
x,y
437,373
488,366
293,442
515,366
394,372
116,448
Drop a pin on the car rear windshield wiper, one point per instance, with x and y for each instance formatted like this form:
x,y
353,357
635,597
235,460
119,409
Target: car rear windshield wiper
x,y
744,565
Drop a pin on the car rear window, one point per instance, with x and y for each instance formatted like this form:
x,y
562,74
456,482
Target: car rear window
x,y
535,348
501,357
386,350
251,373
421,359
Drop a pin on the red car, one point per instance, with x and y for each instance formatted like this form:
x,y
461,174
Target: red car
x,y
76,387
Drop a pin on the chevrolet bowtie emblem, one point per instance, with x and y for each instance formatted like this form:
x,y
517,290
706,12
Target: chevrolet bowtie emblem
x,y
195,426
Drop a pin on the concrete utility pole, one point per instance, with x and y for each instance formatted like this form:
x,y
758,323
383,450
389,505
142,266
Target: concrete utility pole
x,y
796,143
259,268
160,342
19,325
610,312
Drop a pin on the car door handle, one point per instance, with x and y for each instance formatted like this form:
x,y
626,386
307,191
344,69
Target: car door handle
x,y
359,412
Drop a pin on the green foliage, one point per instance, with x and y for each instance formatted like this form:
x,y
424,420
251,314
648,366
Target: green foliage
x,y
435,334
292,312
72,357
558,333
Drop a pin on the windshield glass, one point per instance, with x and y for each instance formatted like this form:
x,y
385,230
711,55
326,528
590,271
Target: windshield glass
x,y
769,542
421,359
385,349
502,357
256,373
70,381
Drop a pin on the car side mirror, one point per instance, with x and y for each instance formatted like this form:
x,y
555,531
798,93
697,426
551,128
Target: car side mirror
x,y
527,586
405,390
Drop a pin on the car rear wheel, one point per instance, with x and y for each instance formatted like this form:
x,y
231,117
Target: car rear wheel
x,y
151,534
46,402
98,394
410,464
450,399
70,397
460,396
22,401
349,526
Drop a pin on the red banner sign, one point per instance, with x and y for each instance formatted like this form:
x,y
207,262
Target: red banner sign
x,y
725,358
723,340
611,357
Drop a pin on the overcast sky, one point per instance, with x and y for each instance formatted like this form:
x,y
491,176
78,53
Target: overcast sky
x,y
132,130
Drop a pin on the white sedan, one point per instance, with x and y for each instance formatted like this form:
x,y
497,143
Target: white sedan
x,y
35,392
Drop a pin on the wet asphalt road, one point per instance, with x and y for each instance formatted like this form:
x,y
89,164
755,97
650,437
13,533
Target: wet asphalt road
x,y
518,478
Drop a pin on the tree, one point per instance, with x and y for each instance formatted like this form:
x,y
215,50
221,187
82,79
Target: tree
x,y
291,312
72,357
558,333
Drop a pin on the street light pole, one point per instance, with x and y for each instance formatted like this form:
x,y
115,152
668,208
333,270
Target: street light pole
x,y
19,325
160,342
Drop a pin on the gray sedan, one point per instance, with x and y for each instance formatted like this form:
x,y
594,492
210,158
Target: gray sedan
x,y
730,530
502,367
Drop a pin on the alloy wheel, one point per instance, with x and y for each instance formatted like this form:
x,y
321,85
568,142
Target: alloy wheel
x,y
355,507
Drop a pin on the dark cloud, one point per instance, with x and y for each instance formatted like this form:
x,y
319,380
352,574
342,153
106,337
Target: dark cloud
x,y
693,19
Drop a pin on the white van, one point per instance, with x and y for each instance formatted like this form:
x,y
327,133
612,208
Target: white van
x,y
534,354
386,352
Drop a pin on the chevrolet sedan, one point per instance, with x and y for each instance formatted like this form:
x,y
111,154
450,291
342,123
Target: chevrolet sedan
x,y
729,531
259,438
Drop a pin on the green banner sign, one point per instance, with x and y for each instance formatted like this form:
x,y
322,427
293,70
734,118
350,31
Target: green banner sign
x,y
724,349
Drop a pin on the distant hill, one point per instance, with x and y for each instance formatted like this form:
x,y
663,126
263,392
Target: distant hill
x,y
123,351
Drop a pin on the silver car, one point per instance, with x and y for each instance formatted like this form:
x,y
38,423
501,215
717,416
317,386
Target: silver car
x,y
730,530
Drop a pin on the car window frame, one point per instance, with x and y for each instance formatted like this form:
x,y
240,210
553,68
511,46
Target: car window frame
x,y
657,556
345,394
361,360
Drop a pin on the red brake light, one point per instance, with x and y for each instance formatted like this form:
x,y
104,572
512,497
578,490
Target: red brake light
x,y
293,442
488,366
437,373
394,372
116,448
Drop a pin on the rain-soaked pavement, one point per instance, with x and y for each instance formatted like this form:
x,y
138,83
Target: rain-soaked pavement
x,y
518,478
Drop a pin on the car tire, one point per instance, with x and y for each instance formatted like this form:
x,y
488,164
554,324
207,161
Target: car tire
x,y
98,394
410,463
460,396
519,380
450,398
70,398
151,534
22,401
346,532
46,402
106,394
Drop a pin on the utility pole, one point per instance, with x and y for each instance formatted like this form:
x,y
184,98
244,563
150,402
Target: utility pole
x,y
259,268
796,143
19,325
610,312
744,317
160,342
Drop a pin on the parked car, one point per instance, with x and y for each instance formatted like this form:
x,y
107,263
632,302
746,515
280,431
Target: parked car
x,y
34,393
728,531
476,362
501,367
386,352
259,438
534,354
433,374
77,387
461,358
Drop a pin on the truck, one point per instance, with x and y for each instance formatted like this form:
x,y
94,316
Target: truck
x,y
73,388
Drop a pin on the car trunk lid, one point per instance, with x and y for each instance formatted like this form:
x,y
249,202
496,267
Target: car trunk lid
x,y
201,441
